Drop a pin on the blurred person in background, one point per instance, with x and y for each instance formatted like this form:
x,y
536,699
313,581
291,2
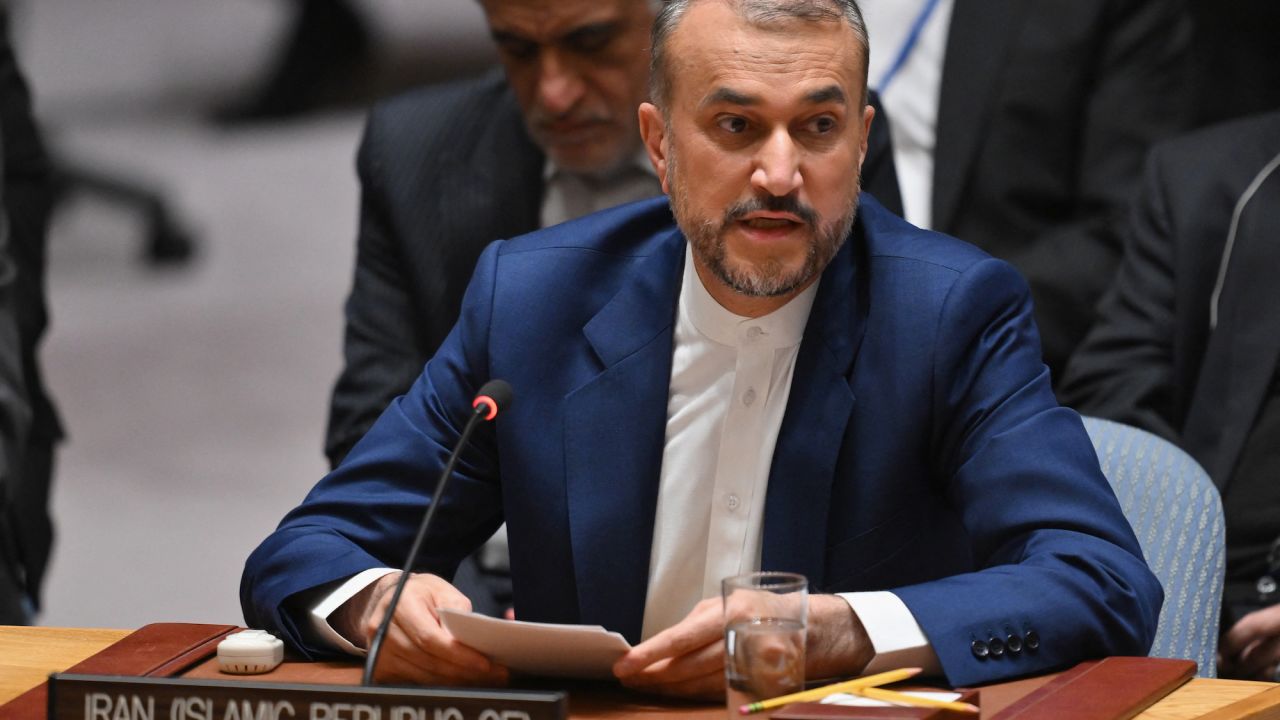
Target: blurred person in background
x,y
1021,127
1187,346
447,169
15,422
26,531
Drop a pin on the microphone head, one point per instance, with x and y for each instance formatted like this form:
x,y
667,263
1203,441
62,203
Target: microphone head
x,y
493,396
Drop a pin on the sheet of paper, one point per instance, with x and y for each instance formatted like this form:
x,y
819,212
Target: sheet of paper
x,y
576,651
847,699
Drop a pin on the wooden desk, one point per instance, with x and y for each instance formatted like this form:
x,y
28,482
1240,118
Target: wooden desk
x,y
28,655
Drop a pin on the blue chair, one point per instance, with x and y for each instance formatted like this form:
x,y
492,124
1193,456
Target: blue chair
x,y
1176,513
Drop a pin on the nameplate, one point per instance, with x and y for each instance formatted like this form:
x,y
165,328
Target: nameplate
x,y
108,697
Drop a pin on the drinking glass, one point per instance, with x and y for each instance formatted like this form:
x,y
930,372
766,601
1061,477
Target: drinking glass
x,y
765,618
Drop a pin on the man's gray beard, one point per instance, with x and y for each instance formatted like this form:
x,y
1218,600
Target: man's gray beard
x,y
706,237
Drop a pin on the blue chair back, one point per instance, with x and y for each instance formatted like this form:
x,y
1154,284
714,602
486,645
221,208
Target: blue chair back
x,y
1176,513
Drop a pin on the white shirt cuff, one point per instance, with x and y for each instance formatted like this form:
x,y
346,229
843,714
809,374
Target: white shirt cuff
x,y
895,635
321,611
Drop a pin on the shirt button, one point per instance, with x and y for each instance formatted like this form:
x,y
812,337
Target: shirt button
x,y
731,501
754,332
749,397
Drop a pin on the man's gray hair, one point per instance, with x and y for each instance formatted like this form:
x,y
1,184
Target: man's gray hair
x,y
756,12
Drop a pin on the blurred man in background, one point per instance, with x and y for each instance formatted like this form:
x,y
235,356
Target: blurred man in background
x,y
446,170
1187,346
26,531
1021,128
15,423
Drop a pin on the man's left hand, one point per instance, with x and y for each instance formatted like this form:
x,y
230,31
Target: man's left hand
x,y
687,659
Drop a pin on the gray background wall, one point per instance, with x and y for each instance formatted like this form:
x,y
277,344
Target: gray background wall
x,y
195,397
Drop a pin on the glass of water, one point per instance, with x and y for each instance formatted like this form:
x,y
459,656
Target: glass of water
x,y
765,617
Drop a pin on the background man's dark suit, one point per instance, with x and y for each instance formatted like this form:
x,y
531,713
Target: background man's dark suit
x,y
28,194
1047,109
15,421
445,171
1154,362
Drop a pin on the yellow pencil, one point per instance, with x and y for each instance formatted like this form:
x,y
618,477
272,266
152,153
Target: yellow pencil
x,y
876,693
883,678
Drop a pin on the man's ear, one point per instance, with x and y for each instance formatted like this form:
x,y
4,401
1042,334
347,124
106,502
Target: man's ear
x,y
653,131
868,114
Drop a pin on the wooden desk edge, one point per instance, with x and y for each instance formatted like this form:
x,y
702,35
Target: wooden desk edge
x,y
29,654
1260,705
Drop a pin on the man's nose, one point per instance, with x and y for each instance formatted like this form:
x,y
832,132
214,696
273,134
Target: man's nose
x,y
777,168
559,85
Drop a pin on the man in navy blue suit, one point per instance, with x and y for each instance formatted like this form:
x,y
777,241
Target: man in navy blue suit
x,y
784,378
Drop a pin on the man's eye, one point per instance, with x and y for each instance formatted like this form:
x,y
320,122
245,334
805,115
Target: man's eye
x,y
735,125
822,125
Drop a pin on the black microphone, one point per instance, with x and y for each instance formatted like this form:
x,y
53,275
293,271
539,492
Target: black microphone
x,y
494,395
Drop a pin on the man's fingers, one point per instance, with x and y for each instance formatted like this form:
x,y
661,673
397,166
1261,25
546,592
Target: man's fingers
x,y
408,660
1259,660
417,647
1255,626
704,626
705,661
421,624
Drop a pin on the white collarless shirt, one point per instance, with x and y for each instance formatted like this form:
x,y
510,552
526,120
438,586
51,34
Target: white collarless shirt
x,y
730,380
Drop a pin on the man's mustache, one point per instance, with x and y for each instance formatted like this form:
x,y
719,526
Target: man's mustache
x,y
772,203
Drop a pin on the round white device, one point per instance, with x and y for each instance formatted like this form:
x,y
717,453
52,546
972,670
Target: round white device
x,y
249,652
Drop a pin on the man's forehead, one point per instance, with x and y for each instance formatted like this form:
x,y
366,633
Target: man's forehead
x,y
730,54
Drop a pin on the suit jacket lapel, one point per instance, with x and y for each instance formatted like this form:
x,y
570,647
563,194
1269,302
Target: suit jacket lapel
x,y
971,77
818,412
615,429
1244,349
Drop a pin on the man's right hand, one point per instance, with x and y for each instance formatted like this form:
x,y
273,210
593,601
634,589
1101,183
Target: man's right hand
x,y
417,648
1250,650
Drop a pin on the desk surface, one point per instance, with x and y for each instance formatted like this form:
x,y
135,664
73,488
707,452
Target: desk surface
x,y
29,654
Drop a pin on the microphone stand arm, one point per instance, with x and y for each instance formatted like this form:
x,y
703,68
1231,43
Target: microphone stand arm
x,y
375,646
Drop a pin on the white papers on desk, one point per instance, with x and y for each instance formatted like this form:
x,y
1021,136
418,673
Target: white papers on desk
x,y
860,701
576,651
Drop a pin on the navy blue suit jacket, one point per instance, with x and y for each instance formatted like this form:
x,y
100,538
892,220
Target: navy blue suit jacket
x,y
921,451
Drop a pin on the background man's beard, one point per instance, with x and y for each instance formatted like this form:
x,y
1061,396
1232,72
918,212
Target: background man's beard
x,y
770,279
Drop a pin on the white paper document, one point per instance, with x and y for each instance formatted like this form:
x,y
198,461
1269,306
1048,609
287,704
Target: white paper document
x,y
576,651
